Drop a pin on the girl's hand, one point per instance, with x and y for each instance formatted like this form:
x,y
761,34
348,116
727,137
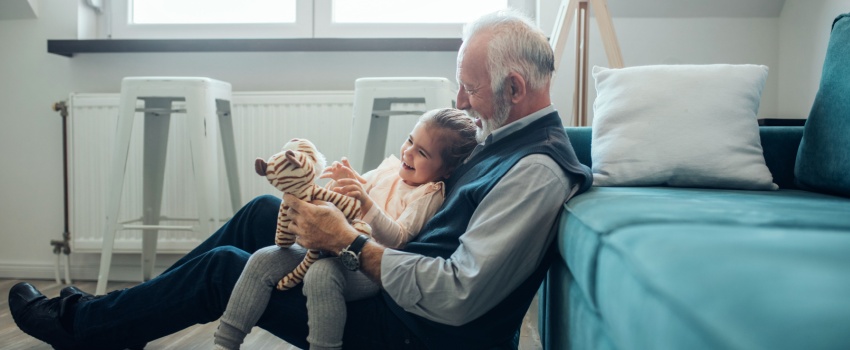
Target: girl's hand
x,y
353,188
341,170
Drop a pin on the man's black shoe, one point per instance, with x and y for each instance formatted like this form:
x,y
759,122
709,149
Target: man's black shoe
x,y
39,316
71,290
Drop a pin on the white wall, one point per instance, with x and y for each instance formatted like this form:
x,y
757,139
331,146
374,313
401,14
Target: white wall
x,y
791,45
646,41
31,209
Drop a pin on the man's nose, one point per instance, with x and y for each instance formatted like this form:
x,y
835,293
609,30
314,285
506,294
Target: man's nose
x,y
462,99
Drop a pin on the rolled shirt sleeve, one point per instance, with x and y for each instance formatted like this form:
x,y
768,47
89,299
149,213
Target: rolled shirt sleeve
x,y
505,241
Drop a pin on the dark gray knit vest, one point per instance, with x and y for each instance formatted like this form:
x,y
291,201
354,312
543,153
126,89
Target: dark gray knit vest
x,y
467,187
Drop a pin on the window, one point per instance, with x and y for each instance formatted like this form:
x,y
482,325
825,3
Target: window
x,y
229,12
204,19
225,19
398,18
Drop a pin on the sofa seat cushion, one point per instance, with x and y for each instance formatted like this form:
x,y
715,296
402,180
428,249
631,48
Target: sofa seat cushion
x,y
716,286
603,212
710,269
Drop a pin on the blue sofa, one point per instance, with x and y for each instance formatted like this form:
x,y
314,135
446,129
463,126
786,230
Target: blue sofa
x,y
690,268
687,268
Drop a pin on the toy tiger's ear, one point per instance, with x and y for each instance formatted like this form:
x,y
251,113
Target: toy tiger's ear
x,y
260,166
291,156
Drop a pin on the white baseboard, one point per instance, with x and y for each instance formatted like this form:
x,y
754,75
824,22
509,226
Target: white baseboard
x,y
84,267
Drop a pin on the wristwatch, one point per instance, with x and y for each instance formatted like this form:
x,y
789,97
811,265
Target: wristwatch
x,y
350,256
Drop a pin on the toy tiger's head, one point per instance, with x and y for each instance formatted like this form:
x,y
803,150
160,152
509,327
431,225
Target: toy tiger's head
x,y
294,169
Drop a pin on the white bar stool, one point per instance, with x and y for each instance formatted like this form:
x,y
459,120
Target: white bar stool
x,y
207,108
373,98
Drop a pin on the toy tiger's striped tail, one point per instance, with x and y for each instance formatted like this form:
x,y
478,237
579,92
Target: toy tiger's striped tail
x,y
297,275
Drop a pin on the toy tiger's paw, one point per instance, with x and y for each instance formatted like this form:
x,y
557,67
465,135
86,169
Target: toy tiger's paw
x,y
362,227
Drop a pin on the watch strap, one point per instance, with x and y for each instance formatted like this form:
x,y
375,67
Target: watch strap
x,y
356,246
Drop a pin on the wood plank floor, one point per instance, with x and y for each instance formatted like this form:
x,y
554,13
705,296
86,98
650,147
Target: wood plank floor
x,y
196,337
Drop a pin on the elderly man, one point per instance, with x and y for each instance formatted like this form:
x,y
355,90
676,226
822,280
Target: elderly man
x,y
464,282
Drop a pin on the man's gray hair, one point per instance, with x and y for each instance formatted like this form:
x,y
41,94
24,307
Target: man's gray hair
x,y
518,45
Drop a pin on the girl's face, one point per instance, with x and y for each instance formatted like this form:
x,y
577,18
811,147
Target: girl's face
x,y
421,159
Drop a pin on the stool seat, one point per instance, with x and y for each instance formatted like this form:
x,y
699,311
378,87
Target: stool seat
x,y
205,103
373,99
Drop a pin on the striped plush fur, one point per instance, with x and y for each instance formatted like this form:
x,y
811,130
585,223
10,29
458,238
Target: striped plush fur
x,y
295,170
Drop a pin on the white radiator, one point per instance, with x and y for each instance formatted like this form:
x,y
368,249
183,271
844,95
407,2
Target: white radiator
x,y
262,123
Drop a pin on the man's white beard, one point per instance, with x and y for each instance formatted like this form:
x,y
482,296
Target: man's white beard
x,y
500,114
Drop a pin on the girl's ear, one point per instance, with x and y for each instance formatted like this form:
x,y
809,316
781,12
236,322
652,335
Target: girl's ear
x,y
448,173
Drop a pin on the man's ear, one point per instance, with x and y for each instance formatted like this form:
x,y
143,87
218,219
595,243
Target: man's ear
x,y
516,87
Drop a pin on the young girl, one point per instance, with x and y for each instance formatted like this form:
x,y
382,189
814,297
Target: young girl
x,y
397,199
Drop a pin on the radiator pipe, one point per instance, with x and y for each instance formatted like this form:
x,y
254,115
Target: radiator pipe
x,y
63,246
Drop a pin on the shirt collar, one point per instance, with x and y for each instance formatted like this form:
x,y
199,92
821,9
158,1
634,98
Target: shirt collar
x,y
506,130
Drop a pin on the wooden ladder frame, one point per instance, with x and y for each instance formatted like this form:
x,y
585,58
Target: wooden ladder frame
x,y
580,9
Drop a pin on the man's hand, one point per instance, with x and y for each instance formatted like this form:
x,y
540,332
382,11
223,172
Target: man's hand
x,y
319,225
322,226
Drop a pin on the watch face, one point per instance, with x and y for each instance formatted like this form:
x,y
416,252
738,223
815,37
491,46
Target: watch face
x,y
349,260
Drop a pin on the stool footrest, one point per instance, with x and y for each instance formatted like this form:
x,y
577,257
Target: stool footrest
x,y
162,110
390,113
159,227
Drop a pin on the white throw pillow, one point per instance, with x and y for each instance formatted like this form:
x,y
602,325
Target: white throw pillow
x,y
679,125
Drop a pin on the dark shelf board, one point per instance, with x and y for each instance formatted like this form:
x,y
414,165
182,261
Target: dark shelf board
x,y
69,48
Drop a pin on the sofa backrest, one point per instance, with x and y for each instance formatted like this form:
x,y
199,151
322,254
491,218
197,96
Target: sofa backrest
x,y
779,143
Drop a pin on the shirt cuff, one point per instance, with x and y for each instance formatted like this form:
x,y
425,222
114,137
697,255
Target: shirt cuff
x,y
371,214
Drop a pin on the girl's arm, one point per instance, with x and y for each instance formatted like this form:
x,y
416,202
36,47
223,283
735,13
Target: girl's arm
x,y
395,233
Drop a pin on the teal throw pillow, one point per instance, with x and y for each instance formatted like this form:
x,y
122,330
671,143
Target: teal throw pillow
x,y
823,160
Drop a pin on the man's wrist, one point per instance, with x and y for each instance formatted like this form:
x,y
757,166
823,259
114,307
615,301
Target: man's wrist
x,y
344,240
370,260
350,255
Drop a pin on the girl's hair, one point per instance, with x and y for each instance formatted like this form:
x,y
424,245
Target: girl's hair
x,y
459,131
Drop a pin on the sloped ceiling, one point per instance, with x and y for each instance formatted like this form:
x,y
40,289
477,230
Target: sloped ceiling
x,y
695,8
18,9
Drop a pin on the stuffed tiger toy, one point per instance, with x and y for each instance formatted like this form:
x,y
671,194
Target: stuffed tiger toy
x,y
294,170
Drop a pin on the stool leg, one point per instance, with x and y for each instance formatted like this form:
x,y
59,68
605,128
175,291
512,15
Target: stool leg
x,y
116,185
228,148
155,148
376,139
202,142
361,124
